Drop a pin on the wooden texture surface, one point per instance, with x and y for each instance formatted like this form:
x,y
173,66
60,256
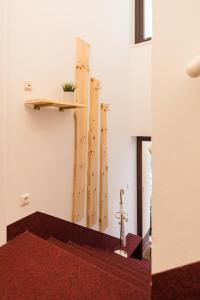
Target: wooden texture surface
x,y
93,154
103,201
62,105
81,132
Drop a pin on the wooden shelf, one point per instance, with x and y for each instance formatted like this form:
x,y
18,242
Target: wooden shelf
x,y
61,105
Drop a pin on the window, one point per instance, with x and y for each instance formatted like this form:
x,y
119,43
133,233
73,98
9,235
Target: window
x,y
143,21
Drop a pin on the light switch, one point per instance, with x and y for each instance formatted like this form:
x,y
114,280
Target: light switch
x,y
24,199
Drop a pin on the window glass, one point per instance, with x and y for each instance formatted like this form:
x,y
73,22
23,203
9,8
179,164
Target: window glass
x,y
147,19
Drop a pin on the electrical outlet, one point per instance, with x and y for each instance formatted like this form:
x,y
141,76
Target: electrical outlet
x,y
24,199
28,86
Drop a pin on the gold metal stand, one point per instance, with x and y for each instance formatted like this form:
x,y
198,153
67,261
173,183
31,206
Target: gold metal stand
x,y
123,217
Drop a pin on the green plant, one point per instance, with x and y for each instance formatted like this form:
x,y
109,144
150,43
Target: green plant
x,y
69,87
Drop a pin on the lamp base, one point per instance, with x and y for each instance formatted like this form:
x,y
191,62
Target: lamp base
x,y
122,253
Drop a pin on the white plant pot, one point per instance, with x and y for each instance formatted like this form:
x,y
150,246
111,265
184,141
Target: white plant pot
x,y
68,96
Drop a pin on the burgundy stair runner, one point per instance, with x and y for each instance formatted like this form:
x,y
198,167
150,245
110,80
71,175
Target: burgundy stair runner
x,y
32,268
105,257
177,284
144,263
46,226
100,261
87,268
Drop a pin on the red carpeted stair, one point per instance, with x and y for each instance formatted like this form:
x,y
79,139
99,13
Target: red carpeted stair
x,y
144,263
32,268
134,277
116,259
181,283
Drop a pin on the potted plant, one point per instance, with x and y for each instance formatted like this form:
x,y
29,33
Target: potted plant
x,y
68,89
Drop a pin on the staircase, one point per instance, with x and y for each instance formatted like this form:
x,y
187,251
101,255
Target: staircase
x,y
34,268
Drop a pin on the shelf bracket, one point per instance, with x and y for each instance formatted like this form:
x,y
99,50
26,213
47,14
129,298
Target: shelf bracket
x,y
36,107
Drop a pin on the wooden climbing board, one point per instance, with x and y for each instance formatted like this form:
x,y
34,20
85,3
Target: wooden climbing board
x,y
81,131
93,154
103,200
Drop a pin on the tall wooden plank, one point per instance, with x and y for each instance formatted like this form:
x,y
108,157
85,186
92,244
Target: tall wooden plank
x,y
93,154
81,131
103,200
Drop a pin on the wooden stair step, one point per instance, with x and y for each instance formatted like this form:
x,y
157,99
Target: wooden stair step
x,y
141,284
46,271
132,261
128,262
141,273
116,260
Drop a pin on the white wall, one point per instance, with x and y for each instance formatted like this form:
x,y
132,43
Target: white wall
x,y
140,76
176,145
3,77
40,144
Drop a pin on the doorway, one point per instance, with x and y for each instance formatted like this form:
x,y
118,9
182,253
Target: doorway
x,y
144,193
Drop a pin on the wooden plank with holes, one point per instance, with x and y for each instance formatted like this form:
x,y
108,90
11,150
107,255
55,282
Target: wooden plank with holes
x,y
103,197
93,154
81,131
